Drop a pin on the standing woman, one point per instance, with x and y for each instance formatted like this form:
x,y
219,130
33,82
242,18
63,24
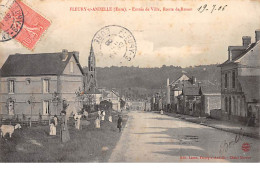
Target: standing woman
x,y
65,136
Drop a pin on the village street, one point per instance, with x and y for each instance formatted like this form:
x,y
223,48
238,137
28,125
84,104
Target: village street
x,y
152,137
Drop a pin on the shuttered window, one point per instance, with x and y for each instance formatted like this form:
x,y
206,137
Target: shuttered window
x,y
11,86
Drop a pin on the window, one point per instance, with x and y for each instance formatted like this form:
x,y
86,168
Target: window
x,y
71,67
11,86
233,79
226,104
46,108
226,80
28,81
46,86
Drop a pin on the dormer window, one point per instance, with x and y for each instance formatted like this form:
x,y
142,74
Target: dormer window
x,y
71,67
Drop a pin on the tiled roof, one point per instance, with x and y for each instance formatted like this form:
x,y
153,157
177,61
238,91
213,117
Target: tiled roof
x,y
36,64
250,87
208,87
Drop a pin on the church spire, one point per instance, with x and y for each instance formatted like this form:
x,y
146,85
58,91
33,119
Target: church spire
x,y
92,83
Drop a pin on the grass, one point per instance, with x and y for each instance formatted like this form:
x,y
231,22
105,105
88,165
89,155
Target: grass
x,y
87,145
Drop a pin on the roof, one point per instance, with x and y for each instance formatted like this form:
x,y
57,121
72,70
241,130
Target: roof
x,y
36,64
249,87
208,87
251,46
191,91
179,77
115,93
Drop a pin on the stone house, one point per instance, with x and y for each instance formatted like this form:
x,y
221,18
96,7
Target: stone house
x,y
38,84
240,80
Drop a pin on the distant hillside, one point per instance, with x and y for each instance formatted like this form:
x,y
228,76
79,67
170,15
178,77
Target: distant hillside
x,y
143,81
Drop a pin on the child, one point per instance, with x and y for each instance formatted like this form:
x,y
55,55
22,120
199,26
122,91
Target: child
x,y
52,129
161,111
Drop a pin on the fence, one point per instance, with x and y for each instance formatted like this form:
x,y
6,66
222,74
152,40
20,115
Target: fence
x,y
27,119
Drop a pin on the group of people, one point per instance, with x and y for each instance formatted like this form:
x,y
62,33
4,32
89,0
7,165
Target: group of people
x,y
101,117
64,127
64,132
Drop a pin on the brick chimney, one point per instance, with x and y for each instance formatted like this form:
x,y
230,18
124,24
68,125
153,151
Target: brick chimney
x,y
246,40
76,54
64,54
257,35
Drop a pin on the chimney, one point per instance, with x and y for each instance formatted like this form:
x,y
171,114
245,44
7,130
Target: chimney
x,y
229,54
246,40
64,54
76,54
193,80
168,101
257,35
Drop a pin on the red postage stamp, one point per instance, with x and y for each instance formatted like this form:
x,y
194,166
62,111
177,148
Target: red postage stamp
x,y
29,25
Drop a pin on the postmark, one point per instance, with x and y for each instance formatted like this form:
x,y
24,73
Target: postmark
x,y
114,41
11,20
34,25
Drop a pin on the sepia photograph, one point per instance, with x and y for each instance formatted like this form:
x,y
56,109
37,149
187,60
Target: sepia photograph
x,y
128,81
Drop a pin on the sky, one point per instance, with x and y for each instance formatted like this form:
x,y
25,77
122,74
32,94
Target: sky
x,y
178,38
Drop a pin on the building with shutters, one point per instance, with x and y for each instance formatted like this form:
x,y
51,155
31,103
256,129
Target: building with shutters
x,y
240,80
39,84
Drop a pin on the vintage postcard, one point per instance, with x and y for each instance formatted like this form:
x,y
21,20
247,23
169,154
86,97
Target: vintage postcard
x,y
130,81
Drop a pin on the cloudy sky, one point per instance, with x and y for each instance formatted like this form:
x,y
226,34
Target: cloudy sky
x,y
162,38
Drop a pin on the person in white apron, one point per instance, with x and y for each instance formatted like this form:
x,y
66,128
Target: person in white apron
x,y
97,122
52,129
78,122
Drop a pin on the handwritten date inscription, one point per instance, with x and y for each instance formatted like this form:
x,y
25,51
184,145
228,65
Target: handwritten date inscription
x,y
211,9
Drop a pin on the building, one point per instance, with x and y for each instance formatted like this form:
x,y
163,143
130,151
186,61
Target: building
x,y
40,84
176,87
199,98
113,97
240,80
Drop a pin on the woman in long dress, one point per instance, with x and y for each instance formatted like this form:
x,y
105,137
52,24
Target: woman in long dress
x,y
65,136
